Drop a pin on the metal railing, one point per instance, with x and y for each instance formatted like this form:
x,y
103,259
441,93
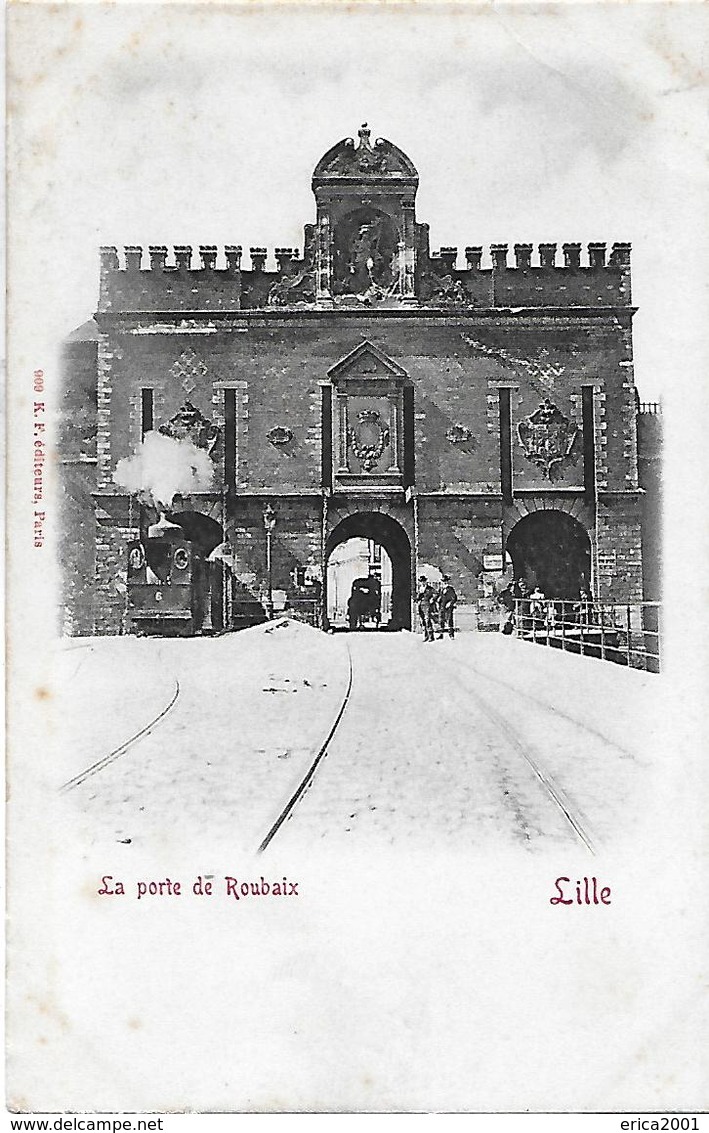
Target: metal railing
x,y
628,633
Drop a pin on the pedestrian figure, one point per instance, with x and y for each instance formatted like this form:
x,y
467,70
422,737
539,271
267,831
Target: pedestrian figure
x,y
506,599
447,599
537,606
426,601
585,607
521,591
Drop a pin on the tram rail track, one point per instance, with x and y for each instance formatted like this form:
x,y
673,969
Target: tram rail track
x,y
579,824
117,752
576,820
552,709
515,736
553,792
307,779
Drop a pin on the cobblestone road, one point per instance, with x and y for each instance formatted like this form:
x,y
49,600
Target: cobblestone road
x,y
474,743
418,759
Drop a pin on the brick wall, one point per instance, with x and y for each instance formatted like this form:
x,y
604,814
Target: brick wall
x,y
295,541
181,279
456,364
111,573
278,368
650,478
619,549
454,535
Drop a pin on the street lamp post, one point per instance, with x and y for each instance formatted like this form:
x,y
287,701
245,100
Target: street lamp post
x,y
269,522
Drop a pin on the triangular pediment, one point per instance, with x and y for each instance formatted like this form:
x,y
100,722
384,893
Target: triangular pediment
x,y
368,362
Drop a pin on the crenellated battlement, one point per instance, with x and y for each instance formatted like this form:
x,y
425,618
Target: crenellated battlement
x,y
522,277
180,257
211,278
182,277
547,257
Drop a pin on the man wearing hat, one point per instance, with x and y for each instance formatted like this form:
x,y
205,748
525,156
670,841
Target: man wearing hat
x,y
426,600
447,599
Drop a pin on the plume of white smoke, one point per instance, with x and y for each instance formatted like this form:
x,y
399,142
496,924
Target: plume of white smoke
x,y
163,467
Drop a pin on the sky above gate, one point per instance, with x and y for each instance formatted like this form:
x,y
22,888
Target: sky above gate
x,y
168,123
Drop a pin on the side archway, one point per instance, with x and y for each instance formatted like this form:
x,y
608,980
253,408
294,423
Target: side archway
x,y
551,550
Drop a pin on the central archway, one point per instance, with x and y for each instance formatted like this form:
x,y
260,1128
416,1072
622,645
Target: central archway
x,y
390,535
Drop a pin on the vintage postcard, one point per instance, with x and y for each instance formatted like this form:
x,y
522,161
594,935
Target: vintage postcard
x,y
356,531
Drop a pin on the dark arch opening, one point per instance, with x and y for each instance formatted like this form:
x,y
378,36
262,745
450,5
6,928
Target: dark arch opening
x,y
390,535
551,550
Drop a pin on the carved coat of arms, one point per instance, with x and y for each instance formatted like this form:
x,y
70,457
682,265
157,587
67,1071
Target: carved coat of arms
x,y
368,439
547,436
189,424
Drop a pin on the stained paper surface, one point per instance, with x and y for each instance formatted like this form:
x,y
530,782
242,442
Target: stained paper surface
x,y
411,960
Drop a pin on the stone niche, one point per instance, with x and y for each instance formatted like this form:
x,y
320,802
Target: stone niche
x,y
367,427
365,232
366,253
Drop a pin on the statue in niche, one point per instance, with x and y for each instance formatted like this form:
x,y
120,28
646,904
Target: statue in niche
x,y
366,256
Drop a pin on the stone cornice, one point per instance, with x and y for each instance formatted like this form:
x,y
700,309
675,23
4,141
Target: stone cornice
x,y
168,322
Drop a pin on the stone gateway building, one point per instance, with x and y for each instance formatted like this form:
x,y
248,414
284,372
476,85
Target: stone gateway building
x,y
449,412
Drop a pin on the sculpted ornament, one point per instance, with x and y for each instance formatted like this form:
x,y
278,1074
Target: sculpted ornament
x,y
366,257
280,435
368,439
447,292
189,424
459,434
296,288
363,159
547,436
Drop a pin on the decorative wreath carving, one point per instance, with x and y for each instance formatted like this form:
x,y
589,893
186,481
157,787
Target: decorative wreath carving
x,y
280,435
368,439
459,434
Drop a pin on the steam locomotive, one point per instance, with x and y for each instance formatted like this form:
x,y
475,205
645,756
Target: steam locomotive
x,y
168,583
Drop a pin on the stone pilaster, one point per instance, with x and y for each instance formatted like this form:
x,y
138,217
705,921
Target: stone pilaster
x,y
111,578
323,261
407,256
108,352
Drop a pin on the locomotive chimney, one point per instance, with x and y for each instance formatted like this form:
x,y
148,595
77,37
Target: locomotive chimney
x,y
163,527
